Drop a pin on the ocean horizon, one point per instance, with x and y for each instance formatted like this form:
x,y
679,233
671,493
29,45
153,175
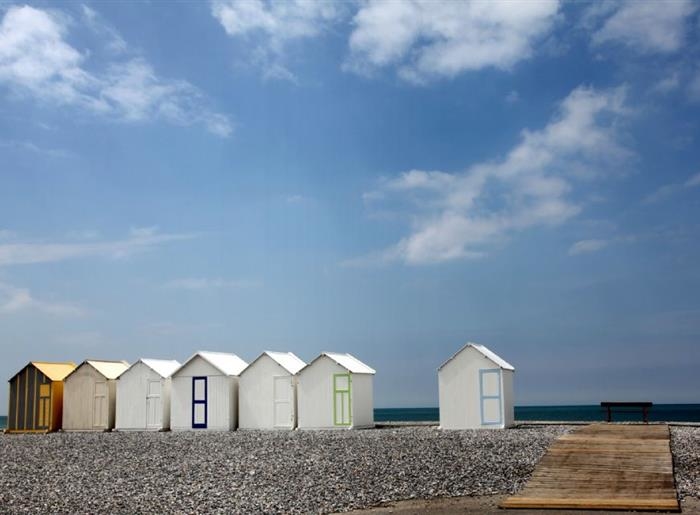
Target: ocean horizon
x,y
573,413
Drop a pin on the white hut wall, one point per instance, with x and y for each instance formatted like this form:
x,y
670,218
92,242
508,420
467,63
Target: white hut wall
x,y
221,397
132,390
166,388
256,394
508,377
362,391
89,401
459,392
315,394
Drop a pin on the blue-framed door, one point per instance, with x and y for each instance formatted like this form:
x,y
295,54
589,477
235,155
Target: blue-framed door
x,y
199,402
491,400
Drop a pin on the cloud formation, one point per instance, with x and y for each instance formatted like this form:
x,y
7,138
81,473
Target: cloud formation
x,y
140,240
272,25
37,61
426,39
587,246
458,215
667,191
15,300
645,27
203,283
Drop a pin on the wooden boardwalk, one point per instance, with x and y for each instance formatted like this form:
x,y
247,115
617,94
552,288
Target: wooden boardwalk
x,y
605,467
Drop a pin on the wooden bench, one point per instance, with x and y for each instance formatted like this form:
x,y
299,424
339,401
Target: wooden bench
x,y
628,406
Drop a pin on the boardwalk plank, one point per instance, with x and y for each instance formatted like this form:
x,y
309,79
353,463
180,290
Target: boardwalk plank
x,y
604,467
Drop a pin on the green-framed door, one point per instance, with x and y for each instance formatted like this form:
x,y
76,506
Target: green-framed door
x,y
342,407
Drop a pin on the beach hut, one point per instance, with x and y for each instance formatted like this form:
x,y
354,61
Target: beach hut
x,y
36,397
143,395
89,395
335,391
476,390
267,392
204,392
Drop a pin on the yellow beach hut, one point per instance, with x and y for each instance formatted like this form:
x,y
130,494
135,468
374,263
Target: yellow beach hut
x,y
36,397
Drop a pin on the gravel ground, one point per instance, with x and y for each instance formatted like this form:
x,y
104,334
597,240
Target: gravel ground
x,y
685,446
264,472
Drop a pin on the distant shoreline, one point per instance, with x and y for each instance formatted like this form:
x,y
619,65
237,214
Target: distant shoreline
x,y
564,414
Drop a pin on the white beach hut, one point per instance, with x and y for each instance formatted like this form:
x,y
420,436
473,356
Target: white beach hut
x,y
89,395
267,396
204,392
335,391
143,396
476,390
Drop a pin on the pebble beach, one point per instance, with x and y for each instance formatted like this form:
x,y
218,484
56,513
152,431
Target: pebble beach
x,y
279,472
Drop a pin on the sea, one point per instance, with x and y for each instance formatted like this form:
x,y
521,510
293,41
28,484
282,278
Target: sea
x,y
592,413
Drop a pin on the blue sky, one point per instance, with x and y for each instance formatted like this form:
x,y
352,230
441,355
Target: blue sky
x,y
389,179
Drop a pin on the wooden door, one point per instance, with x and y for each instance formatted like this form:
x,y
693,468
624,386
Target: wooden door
x,y
44,407
100,413
342,410
282,401
153,406
490,393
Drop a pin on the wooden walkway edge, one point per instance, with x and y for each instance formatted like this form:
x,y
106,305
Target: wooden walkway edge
x,y
604,467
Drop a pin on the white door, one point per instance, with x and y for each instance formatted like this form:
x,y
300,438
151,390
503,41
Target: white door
x,y
282,401
153,405
99,407
491,402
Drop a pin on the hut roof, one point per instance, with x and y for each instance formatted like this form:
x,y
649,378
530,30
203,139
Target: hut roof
x,y
226,363
287,360
163,367
109,369
487,353
56,371
348,362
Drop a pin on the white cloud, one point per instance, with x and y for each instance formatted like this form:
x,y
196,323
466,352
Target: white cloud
x,y
587,246
28,146
694,87
667,191
458,215
96,23
667,84
14,300
37,61
272,25
202,283
693,181
662,193
428,39
645,27
23,253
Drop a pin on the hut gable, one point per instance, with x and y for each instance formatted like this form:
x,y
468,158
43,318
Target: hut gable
x,y
55,371
346,361
485,352
290,362
109,369
164,368
211,364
